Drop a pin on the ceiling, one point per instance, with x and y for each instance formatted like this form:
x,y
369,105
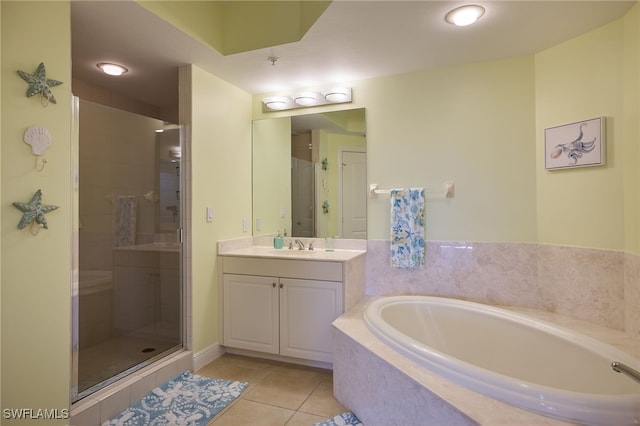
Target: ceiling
x,y
352,40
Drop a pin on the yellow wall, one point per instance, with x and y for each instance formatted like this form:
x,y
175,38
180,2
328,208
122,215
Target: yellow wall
x,y
473,124
578,80
238,26
272,175
36,270
0,209
221,178
631,130
481,125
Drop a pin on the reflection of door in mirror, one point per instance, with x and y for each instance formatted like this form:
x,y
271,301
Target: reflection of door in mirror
x,y
353,186
168,154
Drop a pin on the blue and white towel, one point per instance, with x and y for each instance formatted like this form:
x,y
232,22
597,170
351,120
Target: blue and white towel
x,y
407,228
126,216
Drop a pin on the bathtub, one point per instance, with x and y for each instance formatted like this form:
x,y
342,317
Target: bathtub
x,y
511,357
93,281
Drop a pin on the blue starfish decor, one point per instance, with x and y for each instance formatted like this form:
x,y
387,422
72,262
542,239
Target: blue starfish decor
x,y
39,83
34,210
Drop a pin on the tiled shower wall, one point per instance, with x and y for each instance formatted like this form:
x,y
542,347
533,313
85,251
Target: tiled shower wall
x,y
117,157
600,286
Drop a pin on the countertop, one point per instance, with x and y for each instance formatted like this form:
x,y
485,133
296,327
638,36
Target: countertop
x,y
320,254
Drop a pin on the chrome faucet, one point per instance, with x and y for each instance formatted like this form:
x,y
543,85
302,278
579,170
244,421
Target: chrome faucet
x,y
625,369
300,244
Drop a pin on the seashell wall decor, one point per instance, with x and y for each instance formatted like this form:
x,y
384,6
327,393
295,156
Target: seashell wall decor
x,y
38,138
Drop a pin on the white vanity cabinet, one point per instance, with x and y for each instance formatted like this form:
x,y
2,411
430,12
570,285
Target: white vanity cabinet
x,y
281,306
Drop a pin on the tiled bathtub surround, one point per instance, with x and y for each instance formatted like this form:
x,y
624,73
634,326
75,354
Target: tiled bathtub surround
x,y
600,286
384,387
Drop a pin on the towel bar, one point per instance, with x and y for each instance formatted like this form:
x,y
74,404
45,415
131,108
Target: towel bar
x,y
445,191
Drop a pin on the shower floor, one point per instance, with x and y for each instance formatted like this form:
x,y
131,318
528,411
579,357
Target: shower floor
x,y
104,360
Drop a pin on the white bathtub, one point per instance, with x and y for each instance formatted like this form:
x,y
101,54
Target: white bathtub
x,y
511,357
93,281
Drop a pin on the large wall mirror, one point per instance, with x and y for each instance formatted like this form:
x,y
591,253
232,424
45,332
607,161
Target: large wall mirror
x,y
309,175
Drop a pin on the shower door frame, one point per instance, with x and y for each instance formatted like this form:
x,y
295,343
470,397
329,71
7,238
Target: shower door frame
x,y
75,395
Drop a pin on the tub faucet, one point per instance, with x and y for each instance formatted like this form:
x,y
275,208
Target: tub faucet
x,y
300,244
625,369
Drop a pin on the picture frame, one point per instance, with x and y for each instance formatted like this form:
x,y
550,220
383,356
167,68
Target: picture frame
x,y
578,144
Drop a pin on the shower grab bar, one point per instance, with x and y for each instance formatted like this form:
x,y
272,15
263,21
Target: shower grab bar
x,y
445,191
626,370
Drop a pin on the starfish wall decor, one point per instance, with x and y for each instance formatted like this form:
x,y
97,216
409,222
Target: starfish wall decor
x,y
39,83
34,210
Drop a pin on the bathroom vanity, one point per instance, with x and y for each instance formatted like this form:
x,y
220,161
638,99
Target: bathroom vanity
x,y
282,302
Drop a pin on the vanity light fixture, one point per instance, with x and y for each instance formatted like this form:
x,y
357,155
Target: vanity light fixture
x,y
465,15
307,99
338,94
112,69
277,103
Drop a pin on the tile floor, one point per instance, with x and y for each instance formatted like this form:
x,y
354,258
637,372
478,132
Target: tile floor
x,y
278,394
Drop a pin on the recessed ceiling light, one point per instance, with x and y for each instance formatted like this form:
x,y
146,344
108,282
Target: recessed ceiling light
x,y
112,69
464,15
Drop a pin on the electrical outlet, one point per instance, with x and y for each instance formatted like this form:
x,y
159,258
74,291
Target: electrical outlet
x,y
259,224
245,225
209,214
283,212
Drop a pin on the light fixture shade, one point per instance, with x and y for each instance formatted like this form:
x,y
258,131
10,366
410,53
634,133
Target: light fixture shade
x,y
112,69
306,99
465,15
276,103
338,94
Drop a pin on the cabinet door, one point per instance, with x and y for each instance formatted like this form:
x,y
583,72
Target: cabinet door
x,y
307,309
250,306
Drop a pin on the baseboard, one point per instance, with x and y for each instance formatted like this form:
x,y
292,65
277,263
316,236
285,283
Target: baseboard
x,y
274,357
208,354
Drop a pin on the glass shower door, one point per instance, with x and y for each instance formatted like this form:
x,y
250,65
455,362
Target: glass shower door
x,y
129,288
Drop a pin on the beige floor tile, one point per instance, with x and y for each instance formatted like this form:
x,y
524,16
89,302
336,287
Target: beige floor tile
x,y
292,370
322,403
247,362
288,390
304,419
233,372
244,412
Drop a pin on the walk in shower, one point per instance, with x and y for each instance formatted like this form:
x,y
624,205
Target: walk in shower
x,y
128,295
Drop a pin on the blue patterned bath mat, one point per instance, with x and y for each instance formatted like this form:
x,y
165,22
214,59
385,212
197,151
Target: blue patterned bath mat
x,y
188,400
344,419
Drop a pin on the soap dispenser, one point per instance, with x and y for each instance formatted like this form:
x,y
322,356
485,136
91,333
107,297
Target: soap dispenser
x,y
278,241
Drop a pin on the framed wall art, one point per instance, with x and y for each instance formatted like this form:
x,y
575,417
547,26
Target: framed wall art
x,y
579,144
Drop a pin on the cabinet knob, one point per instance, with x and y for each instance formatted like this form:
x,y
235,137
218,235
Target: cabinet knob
x,y
274,285
281,285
